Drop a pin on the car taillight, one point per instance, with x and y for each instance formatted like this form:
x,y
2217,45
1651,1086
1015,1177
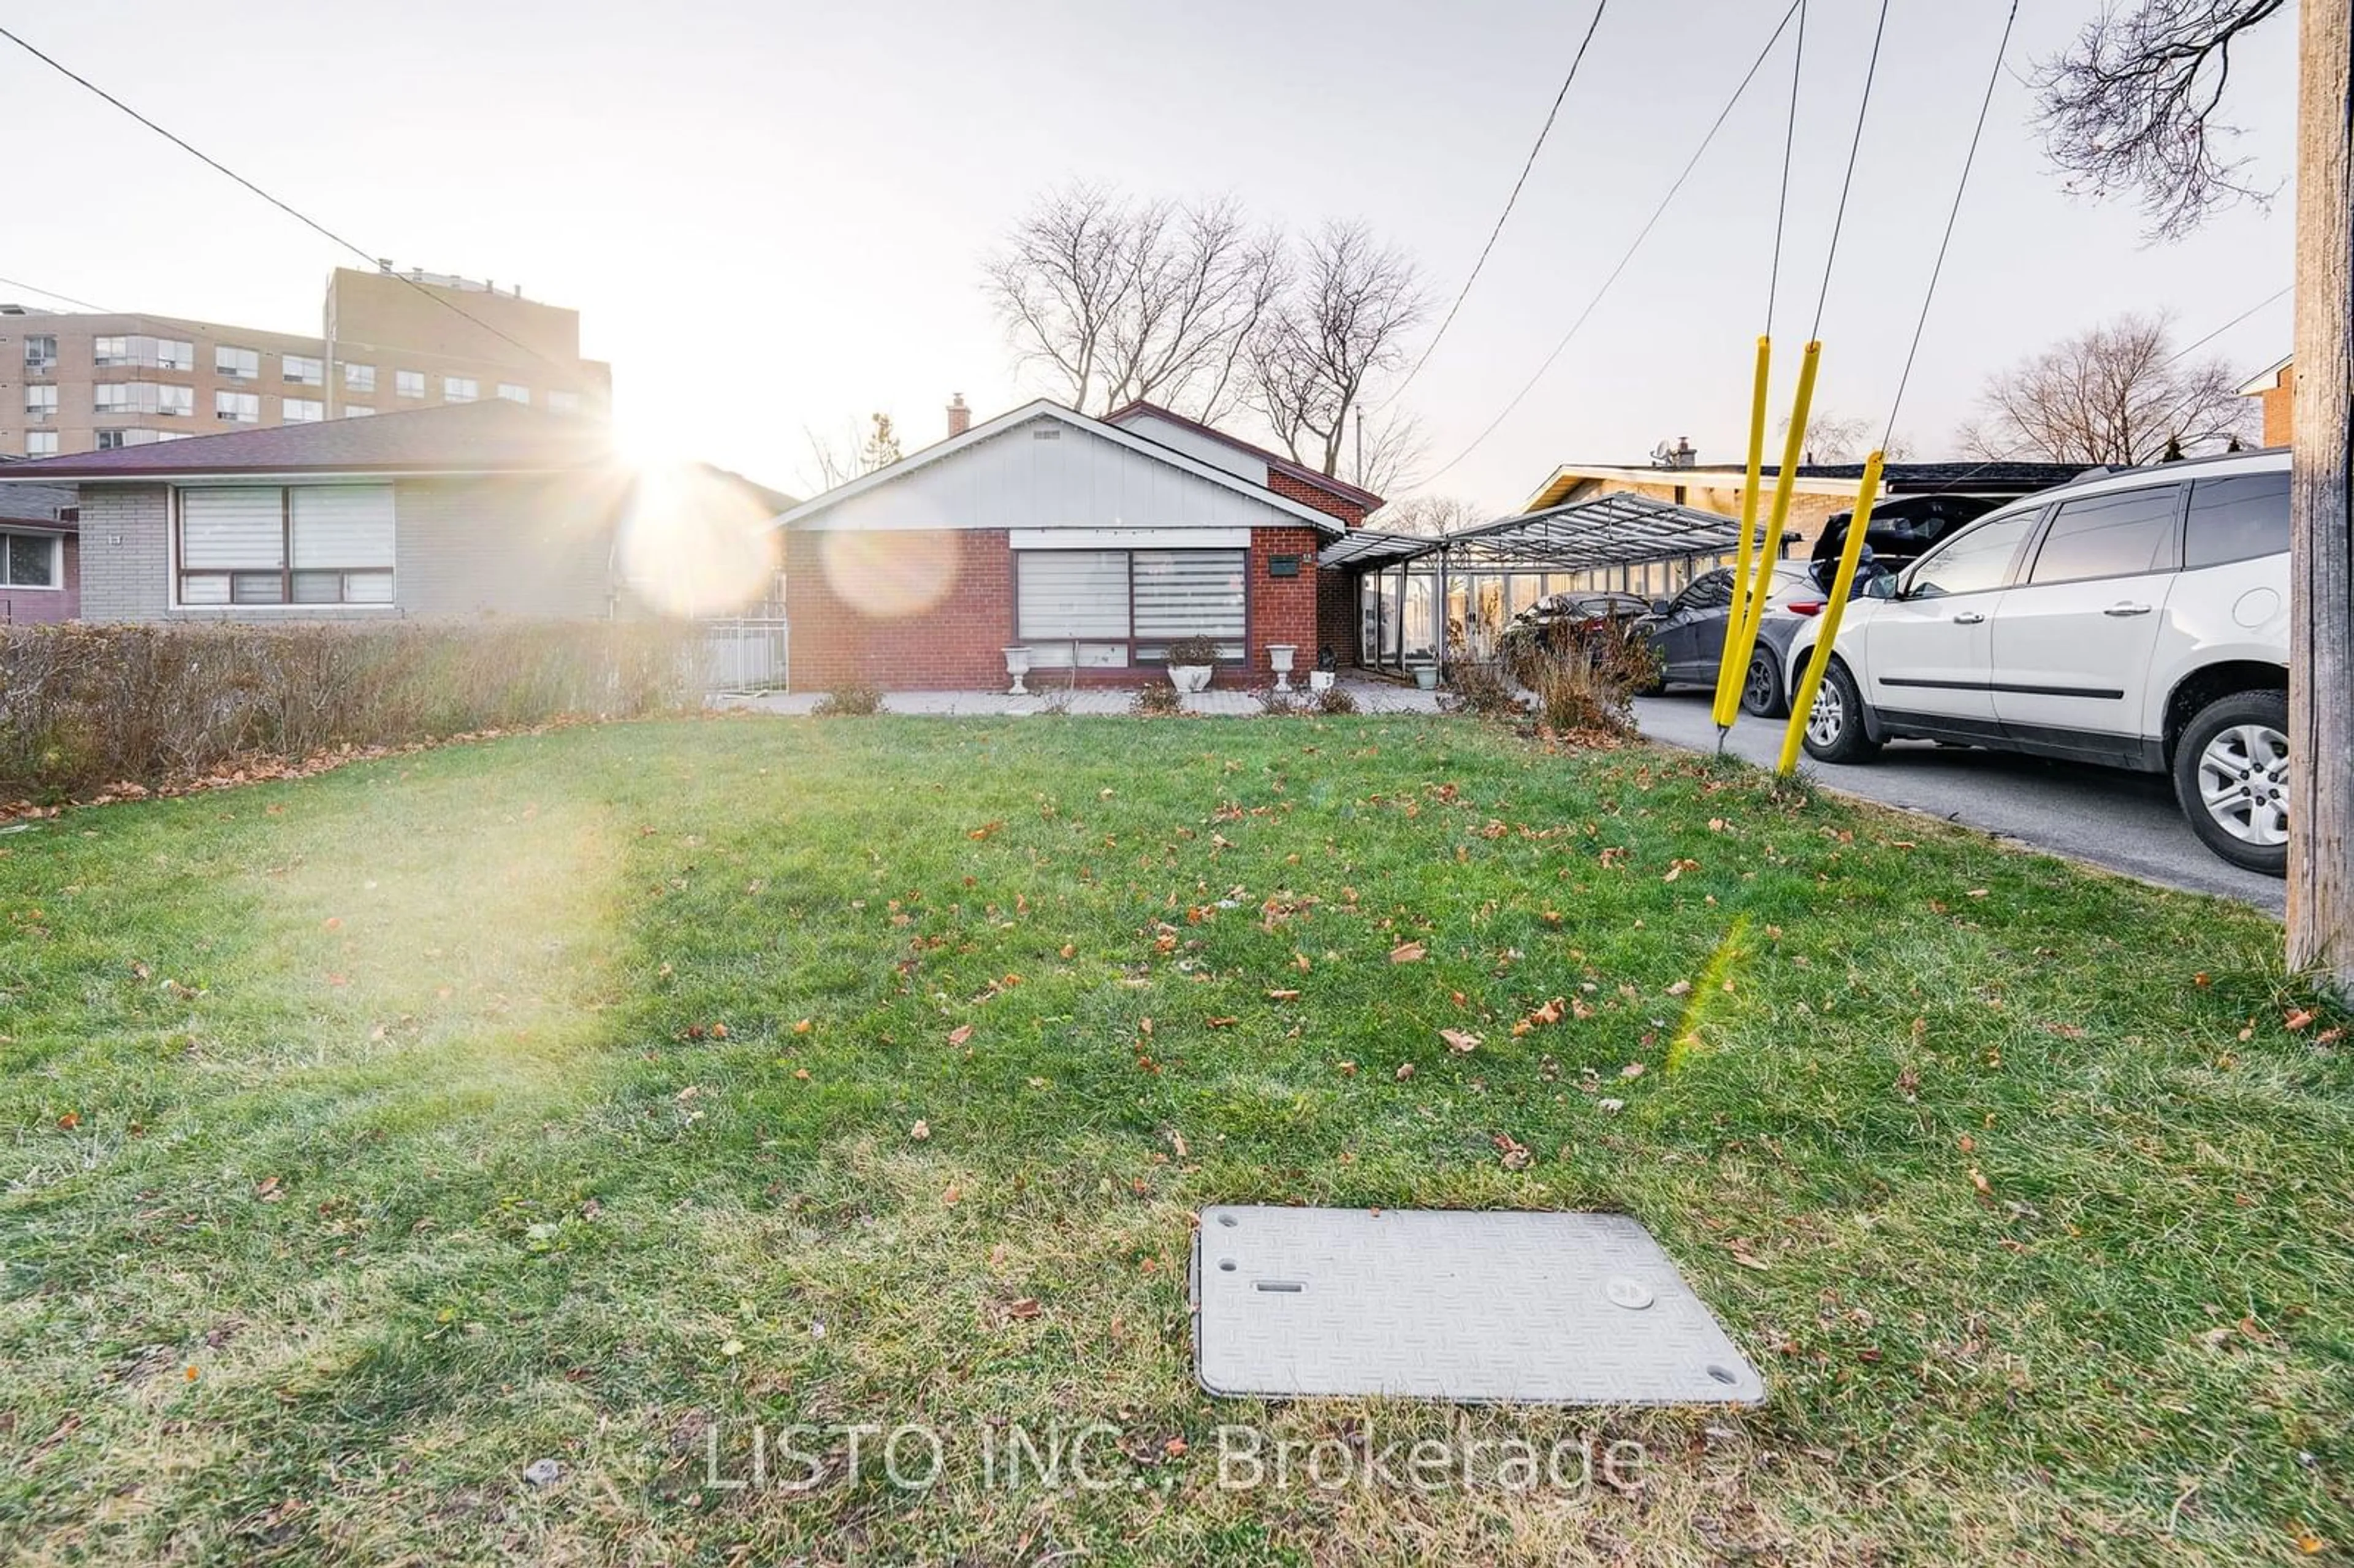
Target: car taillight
x,y
1806,607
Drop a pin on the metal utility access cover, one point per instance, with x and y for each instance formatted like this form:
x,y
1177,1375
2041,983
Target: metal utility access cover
x,y
1530,1309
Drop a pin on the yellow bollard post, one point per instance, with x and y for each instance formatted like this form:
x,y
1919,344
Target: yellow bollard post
x,y
1729,678
1802,701
1770,548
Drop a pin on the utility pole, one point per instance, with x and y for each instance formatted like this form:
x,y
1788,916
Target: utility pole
x,y
2321,549
1361,448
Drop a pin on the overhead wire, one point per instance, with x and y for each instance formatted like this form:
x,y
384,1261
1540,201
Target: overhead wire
x,y
1642,234
287,209
1847,181
1531,163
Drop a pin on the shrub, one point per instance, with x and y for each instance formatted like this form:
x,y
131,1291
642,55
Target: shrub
x,y
1157,700
162,704
1334,700
851,699
1271,701
1193,651
1591,686
1481,688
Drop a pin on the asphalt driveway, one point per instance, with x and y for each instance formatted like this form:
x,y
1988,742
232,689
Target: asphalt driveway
x,y
2125,821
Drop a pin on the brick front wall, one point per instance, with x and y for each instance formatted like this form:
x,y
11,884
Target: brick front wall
x,y
1336,614
905,611
910,610
1290,489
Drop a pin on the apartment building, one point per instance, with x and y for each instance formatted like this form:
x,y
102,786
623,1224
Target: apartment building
x,y
78,381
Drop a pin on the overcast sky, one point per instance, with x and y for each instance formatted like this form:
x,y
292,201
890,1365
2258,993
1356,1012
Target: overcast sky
x,y
771,214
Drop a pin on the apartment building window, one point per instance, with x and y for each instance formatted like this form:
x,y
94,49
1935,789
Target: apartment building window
x,y
133,436
460,389
161,353
356,410
408,384
301,410
305,543
514,394
28,560
359,377
564,402
41,443
143,398
245,364
237,408
40,402
42,352
304,370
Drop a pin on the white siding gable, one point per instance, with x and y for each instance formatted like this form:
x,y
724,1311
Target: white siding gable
x,y
1196,445
1046,472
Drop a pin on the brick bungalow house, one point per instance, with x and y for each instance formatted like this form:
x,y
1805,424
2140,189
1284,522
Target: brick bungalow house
x,y
1093,543
459,510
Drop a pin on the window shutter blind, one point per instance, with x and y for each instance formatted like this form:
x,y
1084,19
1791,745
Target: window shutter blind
x,y
343,526
1184,593
1072,593
239,529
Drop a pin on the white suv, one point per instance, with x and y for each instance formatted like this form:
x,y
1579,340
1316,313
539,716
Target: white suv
x,y
2137,617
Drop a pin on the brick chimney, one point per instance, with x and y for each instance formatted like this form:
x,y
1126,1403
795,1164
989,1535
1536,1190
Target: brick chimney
x,y
960,416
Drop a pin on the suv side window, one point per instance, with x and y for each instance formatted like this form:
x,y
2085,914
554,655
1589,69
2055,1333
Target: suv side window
x,y
2236,519
1976,559
1710,590
2125,533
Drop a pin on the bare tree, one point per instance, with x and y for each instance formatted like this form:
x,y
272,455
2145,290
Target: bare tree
x,y
1340,326
1118,299
2114,395
838,458
1834,438
2130,105
1394,450
1429,516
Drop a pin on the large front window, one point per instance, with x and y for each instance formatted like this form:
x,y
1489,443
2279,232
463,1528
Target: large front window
x,y
28,560
1112,609
305,544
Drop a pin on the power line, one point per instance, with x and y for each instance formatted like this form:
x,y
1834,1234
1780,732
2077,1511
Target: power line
x,y
1847,181
308,222
53,294
1789,141
1953,215
1542,132
1644,233
2227,327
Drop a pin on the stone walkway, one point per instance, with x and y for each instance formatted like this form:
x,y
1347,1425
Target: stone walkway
x,y
1372,697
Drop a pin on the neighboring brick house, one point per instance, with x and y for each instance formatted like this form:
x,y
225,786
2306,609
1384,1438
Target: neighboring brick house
x,y
2275,391
1093,543
463,510
40,555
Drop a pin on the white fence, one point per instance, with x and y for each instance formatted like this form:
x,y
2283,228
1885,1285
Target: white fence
x,y
745,653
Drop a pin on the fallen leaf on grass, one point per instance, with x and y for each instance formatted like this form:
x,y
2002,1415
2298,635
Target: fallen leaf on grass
x,y
1405,1071
952,1197
268,1190
71,1121
2297,1018
920,1131
1175,1448
1407,953
1516,1155
1682,988
1221,1022
1462,1041
1283,996
961,1033
1025,1307
1747,1260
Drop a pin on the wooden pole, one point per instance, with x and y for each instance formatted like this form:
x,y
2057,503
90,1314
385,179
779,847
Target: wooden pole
x,y
2321,548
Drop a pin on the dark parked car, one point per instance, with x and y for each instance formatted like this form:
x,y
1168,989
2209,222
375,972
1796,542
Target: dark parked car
x,y
1561,619
1687,631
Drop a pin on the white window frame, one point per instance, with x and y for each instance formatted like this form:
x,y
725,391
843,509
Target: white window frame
x,y
451,393
408,384
56,583
314,409
514,392
1094,649
233,362
49,445
223,416
389,605
302,369
41,400
358,377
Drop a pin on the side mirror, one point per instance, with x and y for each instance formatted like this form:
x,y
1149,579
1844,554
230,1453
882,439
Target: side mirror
x,y
1662,605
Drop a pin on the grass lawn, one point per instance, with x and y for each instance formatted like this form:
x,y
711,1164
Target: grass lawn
x,y
595,1097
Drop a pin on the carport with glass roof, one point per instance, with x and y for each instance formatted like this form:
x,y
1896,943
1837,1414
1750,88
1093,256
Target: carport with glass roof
x,y
1487,573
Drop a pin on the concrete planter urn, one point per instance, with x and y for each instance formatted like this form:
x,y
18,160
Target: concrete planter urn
x,y
1017,665
1321,681
1190,660
1190,677
1278,658
1426,677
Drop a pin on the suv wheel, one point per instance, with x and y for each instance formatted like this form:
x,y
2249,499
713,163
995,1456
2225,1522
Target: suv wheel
x,y
1835,730
1761,693
2231,773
